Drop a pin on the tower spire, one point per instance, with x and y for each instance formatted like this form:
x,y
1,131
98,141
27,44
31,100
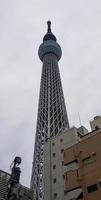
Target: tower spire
x,y
49,35
49,26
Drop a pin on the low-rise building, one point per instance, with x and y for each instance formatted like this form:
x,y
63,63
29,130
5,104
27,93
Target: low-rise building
x,y
23,194
54,163
82,164
4,178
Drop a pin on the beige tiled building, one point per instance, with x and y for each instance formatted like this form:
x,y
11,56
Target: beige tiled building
x,y
54,164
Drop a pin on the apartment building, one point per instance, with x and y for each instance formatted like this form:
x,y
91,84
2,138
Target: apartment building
x,y
82,164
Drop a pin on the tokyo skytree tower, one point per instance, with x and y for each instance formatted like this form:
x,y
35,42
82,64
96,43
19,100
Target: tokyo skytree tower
x,y
52,116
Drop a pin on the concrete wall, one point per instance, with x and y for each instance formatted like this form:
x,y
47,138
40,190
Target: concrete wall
x,y
54,165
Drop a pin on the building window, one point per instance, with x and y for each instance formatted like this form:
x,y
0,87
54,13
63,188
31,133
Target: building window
x,y
53,144
71,166
75,193
92,188
54,154
94,156
55,195
61,140
99,181
54,180
62,150
87,160
54,166
65,192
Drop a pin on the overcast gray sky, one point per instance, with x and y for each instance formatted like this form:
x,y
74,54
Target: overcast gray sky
x,y
77,26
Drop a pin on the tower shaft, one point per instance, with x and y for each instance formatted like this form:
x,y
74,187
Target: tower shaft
x,y
52,116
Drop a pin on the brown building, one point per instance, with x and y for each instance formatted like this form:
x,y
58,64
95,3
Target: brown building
x,y
82,162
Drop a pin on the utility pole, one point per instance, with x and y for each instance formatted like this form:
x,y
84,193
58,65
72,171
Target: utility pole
x,y
13,184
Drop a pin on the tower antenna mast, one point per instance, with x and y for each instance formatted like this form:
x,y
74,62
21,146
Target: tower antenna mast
x,y
79,119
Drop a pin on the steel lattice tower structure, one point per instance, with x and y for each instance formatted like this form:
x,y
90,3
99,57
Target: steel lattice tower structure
x,y
52,116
